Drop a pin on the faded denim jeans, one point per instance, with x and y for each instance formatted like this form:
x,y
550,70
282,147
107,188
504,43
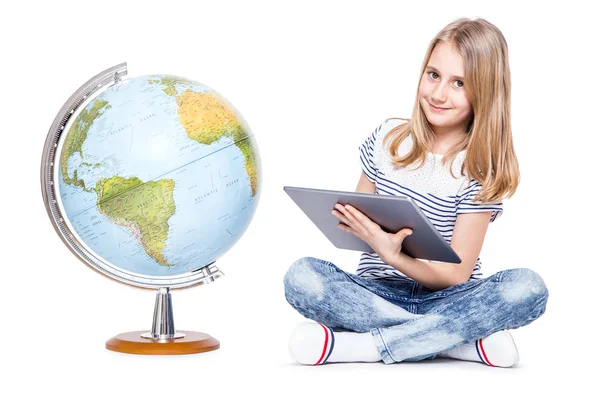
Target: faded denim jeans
x,y
408,321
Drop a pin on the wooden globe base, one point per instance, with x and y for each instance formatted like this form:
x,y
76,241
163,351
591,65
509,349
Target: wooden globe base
x,y
134,343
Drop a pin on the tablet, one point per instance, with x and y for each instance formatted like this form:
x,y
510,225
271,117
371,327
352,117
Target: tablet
x,y
391,213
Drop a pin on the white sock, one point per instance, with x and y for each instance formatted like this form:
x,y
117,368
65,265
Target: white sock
x,y
497,350
354,347
314,344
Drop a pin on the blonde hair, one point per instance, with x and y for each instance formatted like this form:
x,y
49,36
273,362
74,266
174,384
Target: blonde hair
x,y
490,158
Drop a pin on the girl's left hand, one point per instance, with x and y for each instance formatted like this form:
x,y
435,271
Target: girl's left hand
x,y
386,245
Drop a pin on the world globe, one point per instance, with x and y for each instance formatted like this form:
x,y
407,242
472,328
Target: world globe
x,y
150,179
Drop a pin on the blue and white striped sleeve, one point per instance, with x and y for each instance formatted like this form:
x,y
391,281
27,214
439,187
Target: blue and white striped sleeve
x,y
465,203
367,155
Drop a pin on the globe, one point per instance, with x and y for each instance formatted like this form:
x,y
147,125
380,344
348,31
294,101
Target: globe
x,y
150,179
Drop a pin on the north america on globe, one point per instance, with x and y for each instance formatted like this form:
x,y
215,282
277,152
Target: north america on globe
x,y
160,175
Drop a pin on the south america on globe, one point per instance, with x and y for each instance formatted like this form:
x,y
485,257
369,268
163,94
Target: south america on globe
x,y
159,175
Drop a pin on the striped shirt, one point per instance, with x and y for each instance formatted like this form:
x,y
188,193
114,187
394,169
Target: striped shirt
x,y
438,194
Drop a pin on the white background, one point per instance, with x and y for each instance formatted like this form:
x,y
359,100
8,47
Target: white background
x,y
313,79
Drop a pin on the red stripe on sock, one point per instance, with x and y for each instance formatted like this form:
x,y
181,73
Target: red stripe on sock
x,y
324,346
483,353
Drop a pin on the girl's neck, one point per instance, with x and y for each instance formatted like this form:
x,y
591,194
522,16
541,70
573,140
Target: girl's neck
x,y
446,138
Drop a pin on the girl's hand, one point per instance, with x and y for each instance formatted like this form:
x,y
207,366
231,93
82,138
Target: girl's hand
x,y
386,245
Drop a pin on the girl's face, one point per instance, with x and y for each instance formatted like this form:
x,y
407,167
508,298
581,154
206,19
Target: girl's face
x,y
442,85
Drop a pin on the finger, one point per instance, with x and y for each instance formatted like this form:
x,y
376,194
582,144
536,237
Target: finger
x,y
359,221
348,229
341,216
340,208
404,233
356,214
343,212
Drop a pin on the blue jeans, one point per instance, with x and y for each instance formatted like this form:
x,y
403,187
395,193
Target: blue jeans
x,y
408,321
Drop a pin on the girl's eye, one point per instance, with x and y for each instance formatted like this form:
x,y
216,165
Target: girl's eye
x,y
432,72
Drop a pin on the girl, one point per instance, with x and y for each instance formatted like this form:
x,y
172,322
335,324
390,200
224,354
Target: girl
x,y
455,159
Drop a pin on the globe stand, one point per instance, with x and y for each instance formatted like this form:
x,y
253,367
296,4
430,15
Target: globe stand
x,y
163,338
163,326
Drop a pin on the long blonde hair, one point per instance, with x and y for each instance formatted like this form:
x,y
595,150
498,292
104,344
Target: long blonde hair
x,y
490,157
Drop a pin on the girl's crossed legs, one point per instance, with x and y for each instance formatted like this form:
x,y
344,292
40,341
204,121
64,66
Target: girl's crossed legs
x,y
409,322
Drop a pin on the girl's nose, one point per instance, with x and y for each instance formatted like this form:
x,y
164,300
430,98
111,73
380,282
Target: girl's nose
x,y
439,93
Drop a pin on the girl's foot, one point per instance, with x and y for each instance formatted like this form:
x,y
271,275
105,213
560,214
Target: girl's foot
x,y
497,350
315,344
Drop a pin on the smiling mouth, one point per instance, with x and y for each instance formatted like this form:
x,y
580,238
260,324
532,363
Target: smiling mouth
x,y
437,108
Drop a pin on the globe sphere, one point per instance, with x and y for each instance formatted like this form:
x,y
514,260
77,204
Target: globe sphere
x,y
157,176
